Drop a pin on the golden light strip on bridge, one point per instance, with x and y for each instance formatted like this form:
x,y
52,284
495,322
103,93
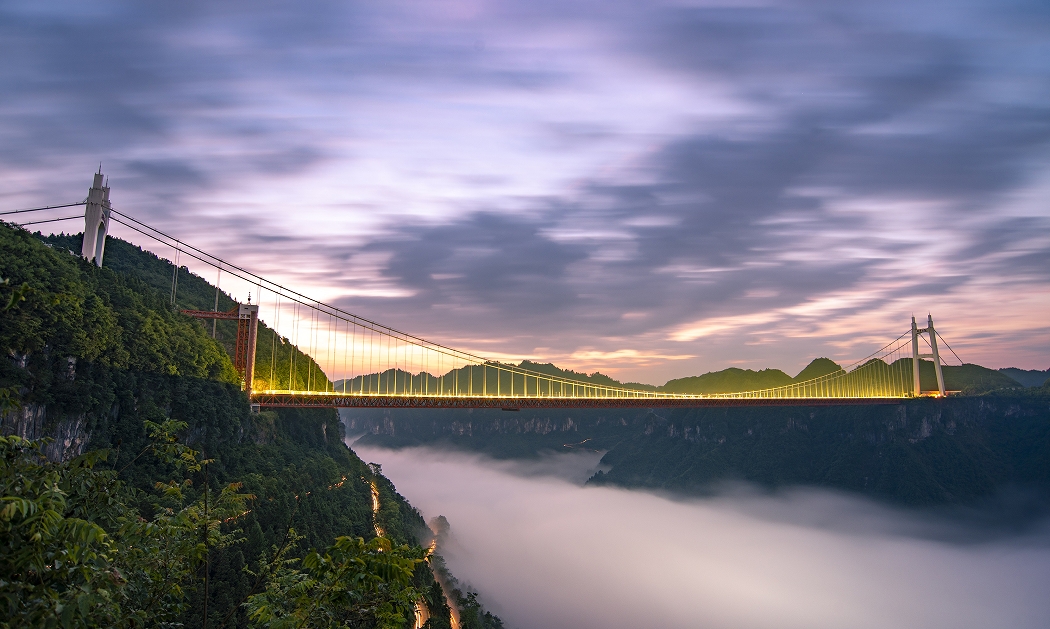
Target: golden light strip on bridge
x,y
642,395
869,378
887,381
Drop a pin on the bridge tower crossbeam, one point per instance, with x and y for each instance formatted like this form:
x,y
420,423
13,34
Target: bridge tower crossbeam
x,y
247,318
931,333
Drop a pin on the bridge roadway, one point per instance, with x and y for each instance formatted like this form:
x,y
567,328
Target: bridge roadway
x,y
338,400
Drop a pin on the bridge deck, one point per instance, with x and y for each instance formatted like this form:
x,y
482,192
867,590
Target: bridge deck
x,y
273,400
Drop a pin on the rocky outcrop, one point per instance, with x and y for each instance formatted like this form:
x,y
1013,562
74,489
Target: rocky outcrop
x,y
426,425
68,434
920,452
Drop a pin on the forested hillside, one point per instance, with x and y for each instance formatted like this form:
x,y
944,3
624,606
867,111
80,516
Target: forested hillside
x,y
165,499
1027,377
922,452
965,378
277,360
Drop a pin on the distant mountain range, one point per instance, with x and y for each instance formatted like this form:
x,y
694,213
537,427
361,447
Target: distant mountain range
x,y
968,378
1027,377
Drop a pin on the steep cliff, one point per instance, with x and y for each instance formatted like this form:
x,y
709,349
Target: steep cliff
x,y
920,452
92,356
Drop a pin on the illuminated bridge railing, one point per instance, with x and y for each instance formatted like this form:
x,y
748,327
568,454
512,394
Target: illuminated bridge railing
x,y
883,376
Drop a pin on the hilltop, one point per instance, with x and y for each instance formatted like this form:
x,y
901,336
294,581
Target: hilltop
x,y
195,293
967,378
128,395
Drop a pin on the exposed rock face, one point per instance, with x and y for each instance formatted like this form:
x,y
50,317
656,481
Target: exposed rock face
x,y
921,452
69,434
422,424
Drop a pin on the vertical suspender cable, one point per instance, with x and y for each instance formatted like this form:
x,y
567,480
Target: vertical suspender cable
x,y
218,279
276,324
294,348
175,277
370,338
346,344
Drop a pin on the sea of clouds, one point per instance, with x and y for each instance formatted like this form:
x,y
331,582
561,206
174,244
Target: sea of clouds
x,y
545,552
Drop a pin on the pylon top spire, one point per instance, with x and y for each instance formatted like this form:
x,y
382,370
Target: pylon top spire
x,y
96,219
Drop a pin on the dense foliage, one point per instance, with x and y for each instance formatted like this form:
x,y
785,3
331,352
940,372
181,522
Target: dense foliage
x,y
185,508
965,378
278,362
75,553
73,311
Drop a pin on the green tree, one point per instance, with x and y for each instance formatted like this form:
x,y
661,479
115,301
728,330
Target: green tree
x,y
74,553
57,567
353,583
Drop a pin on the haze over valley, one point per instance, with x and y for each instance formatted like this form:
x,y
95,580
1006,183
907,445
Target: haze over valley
x,y
546,552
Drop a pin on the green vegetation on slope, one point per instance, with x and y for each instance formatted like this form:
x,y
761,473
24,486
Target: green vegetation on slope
x,y
98,361
817,368
82,548
493,378
728,381
594,378
1027,377
278,363
73,311
968,378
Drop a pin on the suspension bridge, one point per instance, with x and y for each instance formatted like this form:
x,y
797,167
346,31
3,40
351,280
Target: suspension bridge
x,y
291,350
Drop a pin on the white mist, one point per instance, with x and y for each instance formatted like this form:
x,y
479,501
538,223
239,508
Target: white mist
x,y
546,553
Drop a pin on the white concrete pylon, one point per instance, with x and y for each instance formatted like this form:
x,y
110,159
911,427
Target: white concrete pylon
x,y
915,358
930,332
96,221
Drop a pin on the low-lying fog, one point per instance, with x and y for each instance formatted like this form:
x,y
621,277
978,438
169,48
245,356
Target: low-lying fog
x,y
546,553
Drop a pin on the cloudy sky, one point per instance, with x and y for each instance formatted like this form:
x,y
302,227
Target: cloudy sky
x,y
649,188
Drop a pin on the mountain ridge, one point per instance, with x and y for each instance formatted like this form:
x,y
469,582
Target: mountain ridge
x,y
967,378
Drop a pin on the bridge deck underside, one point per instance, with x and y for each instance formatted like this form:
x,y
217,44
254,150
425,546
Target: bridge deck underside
x,y
410,401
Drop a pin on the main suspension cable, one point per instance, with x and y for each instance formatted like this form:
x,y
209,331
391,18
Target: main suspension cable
x,y
46,207
50,220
